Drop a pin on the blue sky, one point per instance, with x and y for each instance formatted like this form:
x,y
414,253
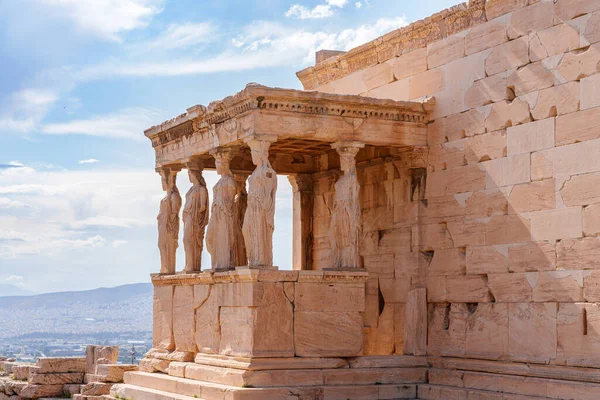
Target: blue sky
x,y
81,80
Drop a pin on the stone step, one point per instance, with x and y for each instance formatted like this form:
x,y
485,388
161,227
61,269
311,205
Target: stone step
x,y
124,391
514,384
433,392
212,391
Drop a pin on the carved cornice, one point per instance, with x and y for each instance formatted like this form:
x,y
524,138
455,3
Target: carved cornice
x,y
258,98
396,43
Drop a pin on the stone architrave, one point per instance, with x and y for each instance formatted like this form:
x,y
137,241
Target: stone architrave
x,y
345,225
220,236
259,221
195,218
241,204
168,221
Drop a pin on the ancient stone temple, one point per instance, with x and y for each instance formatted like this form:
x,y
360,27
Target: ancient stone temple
x,y
446,212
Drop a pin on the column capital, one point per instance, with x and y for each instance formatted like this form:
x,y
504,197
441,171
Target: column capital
x,y
347,147
301,182
194,164
221,153
169,169
260,138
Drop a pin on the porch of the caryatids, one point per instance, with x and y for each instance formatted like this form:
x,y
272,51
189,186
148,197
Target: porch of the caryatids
x,y
345,225
195,217
259,221
168,220
221,233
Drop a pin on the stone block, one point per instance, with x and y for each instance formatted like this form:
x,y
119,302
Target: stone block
x,y
533,196
591,287
467,233
409,64
443,51
447,262
56,378
591,220
162,330
568,9
114,373
577,127
532,256
536,17
22,372
487,331
183,319
578,330
558,100
591,33
505,114
415,328
331,334
52,365
208,331
434,236
426,83
590,92
561,223
581,190
486,91
579,64
378,75
398,91
578,254
557,39
532,332
399,326
542,165
531,77
497,8
508,56
459,180
559,286
380,339
40,391
486,35
486,147
447,330
371,376
527,138
486,203
467,289
559,161
511,288
96,389
487,260
441,209
352,84
454,127
506,229
327,297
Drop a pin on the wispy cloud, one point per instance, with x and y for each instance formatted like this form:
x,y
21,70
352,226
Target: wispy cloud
x,y
301,12
105,19
127,123
337,3
181,36
88,161
6,203
110,222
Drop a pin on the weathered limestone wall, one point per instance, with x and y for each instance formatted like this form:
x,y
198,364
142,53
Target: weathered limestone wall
x,y
505,238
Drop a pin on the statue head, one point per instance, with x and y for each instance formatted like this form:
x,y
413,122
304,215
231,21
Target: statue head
x,y
222,162
168,179
259,150
196,177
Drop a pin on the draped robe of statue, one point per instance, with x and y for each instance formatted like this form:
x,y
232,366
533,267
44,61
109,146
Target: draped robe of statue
x,y
344,228
168,225
195,219
259,221
220,236
241,204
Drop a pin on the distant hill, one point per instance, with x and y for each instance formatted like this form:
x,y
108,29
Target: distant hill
x,y
119,309
11,290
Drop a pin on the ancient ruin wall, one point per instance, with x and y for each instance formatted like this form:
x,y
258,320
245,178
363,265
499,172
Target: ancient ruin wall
x,y
505,236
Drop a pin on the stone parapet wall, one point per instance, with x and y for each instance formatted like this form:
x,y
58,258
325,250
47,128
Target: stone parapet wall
x,y
505,237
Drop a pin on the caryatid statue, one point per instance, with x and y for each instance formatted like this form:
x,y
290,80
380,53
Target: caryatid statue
x,y
345,224
168,221
220,237
259,221
241,204
195,218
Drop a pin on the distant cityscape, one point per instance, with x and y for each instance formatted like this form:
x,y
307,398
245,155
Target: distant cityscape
x,y
63,324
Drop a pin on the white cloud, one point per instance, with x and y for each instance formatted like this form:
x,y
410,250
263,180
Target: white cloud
x,y
128,123
180,36
106,19
111,222
337,3
358,4
6,203
14,278
119,243
23,109
301,12
88,161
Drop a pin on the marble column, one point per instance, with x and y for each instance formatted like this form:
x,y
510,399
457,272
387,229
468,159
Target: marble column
x,y
195,217
346,224
259,221
302,226
220,235
241,204
168,220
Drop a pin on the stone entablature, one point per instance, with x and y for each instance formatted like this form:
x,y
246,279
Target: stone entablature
x,y
288,114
